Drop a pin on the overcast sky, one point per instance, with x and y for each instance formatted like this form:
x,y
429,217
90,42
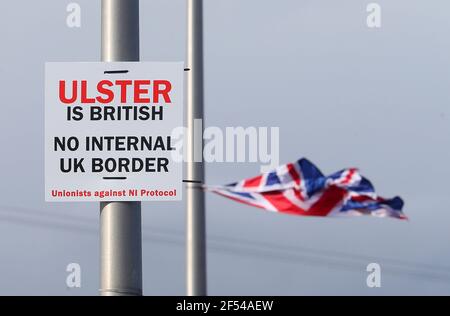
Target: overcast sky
x,y
342,94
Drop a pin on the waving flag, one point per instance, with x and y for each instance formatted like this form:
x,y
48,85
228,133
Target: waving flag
x,y
301,189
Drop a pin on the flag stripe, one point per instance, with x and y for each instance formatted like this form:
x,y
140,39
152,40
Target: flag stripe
x,y
253,182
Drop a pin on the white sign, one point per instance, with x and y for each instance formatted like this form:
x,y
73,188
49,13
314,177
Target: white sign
x,y
108,131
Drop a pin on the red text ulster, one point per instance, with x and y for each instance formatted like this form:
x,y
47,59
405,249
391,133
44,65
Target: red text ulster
x,y
117,91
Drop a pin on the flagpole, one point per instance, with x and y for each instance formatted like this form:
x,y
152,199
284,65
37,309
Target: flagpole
x,y
195,202
120,222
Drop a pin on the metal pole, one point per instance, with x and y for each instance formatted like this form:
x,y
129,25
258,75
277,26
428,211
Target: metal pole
x,y
195,203
120,222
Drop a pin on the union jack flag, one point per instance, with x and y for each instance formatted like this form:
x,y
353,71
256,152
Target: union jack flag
x,y
301,189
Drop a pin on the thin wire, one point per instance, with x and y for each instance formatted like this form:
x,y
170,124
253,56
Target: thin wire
x,y
235,246
240,242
